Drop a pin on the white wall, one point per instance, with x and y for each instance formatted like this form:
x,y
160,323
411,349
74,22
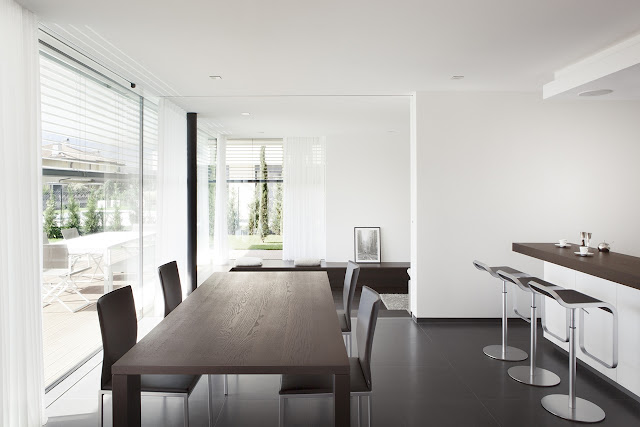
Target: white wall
x,y
368,186
489,169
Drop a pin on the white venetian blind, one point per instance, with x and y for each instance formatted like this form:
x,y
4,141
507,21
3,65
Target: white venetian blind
x,y
206,152
243,159
87,121
150,139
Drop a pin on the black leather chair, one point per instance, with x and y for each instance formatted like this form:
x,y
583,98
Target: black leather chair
x,y
171,287
172,292
348,292
360,367
119,328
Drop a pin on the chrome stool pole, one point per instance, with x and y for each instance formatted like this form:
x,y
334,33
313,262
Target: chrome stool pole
x,y
569,406
530,375
503,351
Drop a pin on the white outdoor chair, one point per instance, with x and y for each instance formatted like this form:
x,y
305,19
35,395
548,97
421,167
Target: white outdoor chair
x,y
56,262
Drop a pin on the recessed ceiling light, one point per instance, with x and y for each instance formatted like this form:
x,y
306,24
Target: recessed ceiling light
x,y
392,131
216,77
457,77
597,92
245,114
261,132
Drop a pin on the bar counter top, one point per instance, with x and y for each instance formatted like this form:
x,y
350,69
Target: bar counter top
x,y
612,266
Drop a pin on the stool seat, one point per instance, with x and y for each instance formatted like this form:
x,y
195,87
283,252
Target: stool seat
x,y
509,270
568,298
494,270
521,281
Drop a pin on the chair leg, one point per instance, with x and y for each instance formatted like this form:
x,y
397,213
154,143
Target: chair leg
x,y
226,385
186,411
100,409
359,411
369,401
350,345
209,396
281,412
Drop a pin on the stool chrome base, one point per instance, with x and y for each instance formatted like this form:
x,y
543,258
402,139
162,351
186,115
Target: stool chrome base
x,y
510,354
541,377
584,412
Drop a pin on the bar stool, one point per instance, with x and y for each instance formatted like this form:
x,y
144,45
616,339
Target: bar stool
x,y
530,375
502,352
569,406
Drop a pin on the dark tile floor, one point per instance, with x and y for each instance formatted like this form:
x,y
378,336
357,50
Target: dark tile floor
x,y
431,374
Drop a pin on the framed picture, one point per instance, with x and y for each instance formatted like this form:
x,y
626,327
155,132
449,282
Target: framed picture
x,y
366,244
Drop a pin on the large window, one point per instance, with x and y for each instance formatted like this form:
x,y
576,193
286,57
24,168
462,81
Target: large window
x,y
99,164
254,213
254,204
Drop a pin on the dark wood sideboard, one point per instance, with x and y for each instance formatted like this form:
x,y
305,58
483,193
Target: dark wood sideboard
x,y
384,277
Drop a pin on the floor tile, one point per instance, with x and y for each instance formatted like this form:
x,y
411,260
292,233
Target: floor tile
x,y
428,374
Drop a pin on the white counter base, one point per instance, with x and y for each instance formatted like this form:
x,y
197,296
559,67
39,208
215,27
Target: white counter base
x,y
598,324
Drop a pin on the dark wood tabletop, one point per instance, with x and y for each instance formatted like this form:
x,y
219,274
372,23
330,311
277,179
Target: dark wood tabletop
x,y
245,323
616,267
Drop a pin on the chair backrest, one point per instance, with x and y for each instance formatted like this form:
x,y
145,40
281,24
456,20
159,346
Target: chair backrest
x,y
349,289
70,233
118,326
54,256
171,287
367,318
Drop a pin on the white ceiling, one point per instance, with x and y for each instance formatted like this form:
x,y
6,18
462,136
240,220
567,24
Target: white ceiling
x,y
335,47
274,117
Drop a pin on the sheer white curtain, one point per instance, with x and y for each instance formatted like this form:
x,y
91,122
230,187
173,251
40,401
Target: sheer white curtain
x,y
172,189
220,239
21,357
304,219
203,162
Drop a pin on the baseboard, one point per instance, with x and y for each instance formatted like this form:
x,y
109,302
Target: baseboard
x,y
464,319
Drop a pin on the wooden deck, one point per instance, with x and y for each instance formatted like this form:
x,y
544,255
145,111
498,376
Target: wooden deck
x,y
70,338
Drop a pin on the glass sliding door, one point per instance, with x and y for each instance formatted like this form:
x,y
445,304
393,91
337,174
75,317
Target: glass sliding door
x,y
93,196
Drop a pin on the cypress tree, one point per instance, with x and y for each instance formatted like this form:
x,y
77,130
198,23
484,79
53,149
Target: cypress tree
x,y
49,223
92,216
73,221
264,196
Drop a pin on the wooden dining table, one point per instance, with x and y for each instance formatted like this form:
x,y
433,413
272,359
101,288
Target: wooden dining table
x,y
242,323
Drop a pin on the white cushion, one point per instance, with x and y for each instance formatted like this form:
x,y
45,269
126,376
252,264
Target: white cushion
x,y
249,261
307,262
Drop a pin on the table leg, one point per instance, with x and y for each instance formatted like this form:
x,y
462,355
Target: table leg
x,y
341,400
126,400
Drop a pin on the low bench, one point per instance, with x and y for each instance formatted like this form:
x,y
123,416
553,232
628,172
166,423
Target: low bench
x,y
384,277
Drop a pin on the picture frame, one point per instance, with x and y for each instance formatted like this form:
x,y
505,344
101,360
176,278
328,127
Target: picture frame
x,y
366,245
